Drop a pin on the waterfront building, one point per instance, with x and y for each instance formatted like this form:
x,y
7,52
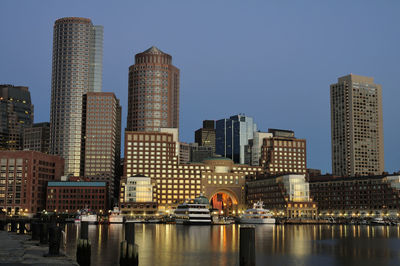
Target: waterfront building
x,y
77,69
357,195
286,195
101,129
253,153
71,196
16,113
232,135
37,137
205,136
153,154
137,196
283,153
153,96
23,179
356,126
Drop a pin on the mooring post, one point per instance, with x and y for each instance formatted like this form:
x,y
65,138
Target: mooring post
x,y
129,251
44,233
35,228
2,225
21,228
84,248
54,241
13,225
84,230
247,251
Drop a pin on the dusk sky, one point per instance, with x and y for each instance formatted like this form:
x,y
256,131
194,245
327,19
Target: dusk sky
x,y
271,60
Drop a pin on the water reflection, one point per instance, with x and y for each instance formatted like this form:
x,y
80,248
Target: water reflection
x,y
165,244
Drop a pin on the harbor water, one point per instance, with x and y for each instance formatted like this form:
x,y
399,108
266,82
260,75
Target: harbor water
x,y
170,244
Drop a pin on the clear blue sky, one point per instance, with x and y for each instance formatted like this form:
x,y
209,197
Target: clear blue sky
x,y
272,60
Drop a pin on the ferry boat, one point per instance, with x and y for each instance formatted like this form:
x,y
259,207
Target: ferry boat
x,y
193,212
257,215
86,216
115,216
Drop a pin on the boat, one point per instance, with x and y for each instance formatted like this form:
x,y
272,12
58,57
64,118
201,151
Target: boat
x,y
193,211
154,221
222,221
257,215
378,221
115,216
86,216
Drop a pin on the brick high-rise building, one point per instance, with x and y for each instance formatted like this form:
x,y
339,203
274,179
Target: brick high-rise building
x,y
283,153
356,126
153,96
23,180
77,69
16,113
37,137
101,129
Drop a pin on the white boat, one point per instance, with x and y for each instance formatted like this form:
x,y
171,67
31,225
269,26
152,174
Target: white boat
x,y
193,212
257,215
86,216
378,221
115,216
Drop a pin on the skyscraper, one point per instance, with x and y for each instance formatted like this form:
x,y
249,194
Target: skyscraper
x,y
101,129
16,113
356,126
232,135
205,136
76,70
37,137
153,96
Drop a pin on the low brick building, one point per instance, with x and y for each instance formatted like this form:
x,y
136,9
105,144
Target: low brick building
x,y
23,179
285,195
69,197
356,196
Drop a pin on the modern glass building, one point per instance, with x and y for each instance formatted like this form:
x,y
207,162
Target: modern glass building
x,y
77,69
16,113
232,135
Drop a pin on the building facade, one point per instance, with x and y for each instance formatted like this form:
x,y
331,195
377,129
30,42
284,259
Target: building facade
x,y
153,96
356,126
153,154
76,70
356,196
101,131
285,195
23,180
232,135
16,113
283,153
253,153
37,137
205,136
70,197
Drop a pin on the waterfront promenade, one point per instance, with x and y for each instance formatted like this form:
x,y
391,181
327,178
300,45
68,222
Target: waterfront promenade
x,y
20,250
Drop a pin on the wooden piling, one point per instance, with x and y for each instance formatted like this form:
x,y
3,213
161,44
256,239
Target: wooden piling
x,y
247,251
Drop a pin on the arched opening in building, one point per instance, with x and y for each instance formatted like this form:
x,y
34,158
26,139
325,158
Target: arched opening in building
x,y
225,202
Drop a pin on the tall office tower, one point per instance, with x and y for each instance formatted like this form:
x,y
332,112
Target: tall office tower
x,y
37,137
356,126
283,153
206,136
232,135
100,135
77,69
253,149
16,112
153,96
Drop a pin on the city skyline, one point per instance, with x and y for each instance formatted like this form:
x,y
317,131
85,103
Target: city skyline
x,y
307,115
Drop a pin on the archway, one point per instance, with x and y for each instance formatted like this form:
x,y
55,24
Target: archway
x,y
224,201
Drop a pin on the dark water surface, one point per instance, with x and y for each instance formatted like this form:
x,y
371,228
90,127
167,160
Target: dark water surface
x,y
167,244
